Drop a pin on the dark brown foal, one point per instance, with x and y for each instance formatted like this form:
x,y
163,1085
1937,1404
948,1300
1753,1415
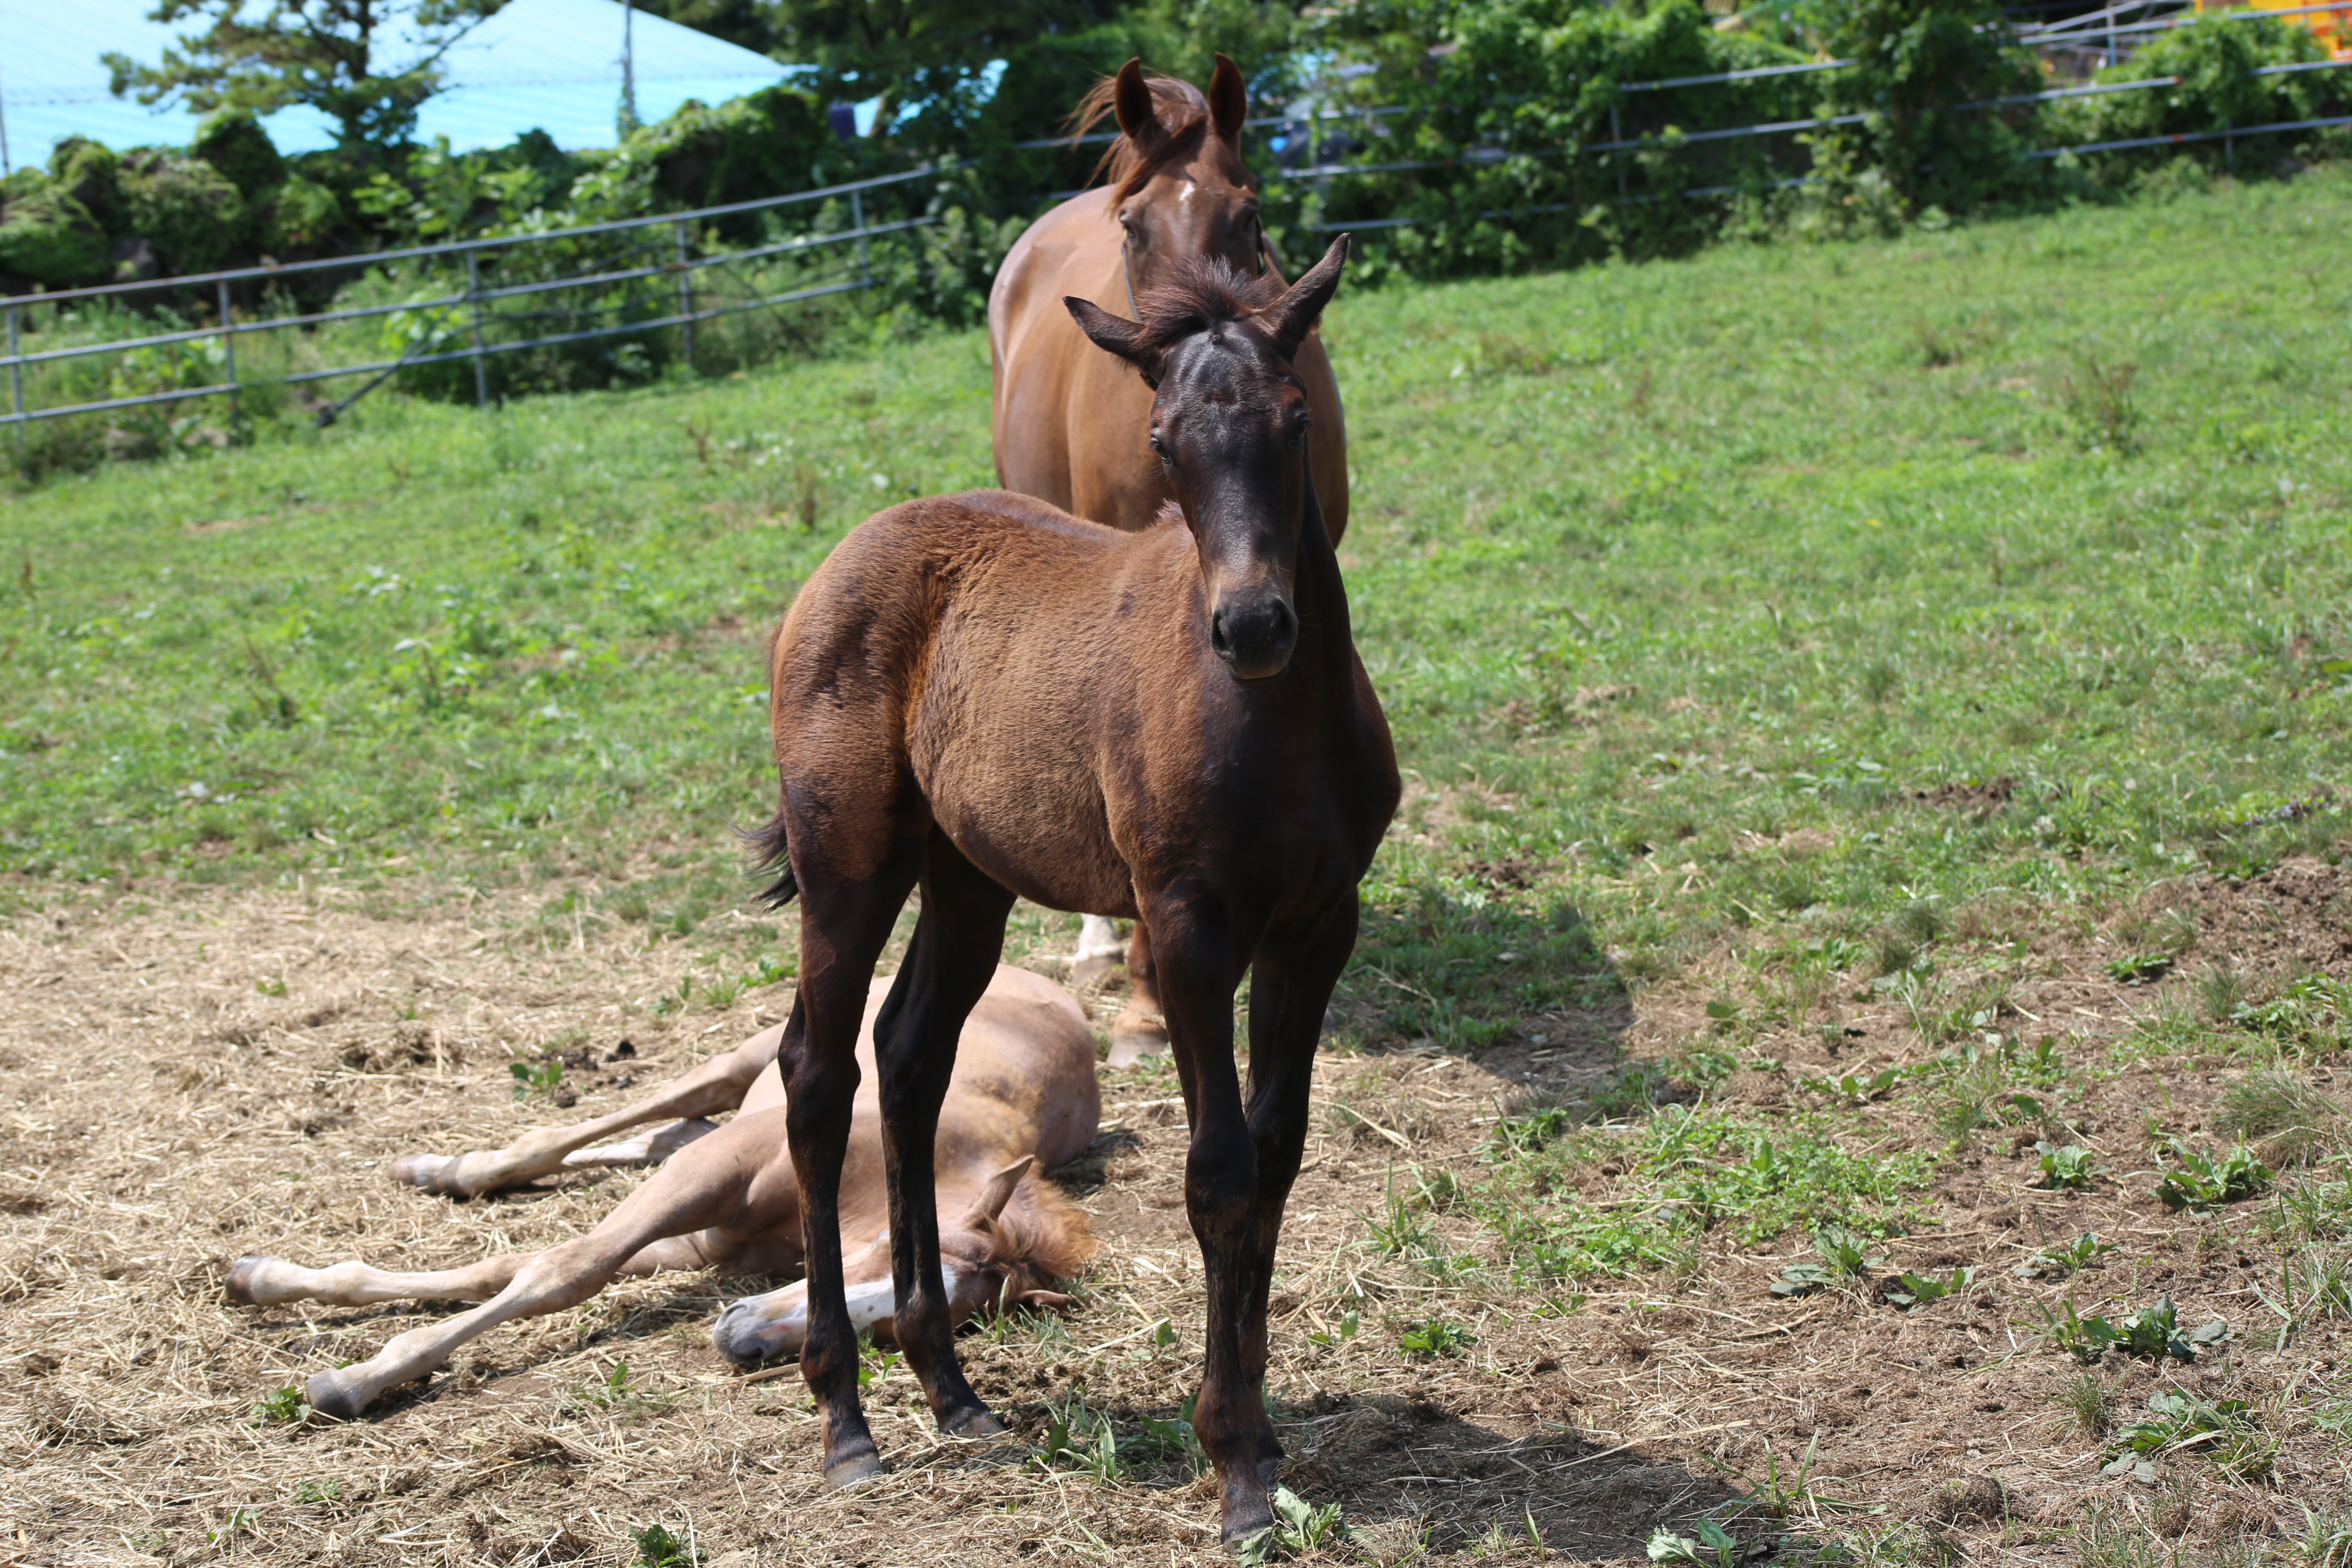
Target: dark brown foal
x,y
985,697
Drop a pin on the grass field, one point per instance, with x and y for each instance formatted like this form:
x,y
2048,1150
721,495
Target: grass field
x,y
1876,719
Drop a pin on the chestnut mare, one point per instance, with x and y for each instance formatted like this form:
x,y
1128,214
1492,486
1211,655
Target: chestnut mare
x,y
985,696
1068,423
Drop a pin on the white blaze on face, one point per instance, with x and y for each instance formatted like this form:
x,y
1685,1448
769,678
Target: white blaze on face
x,y
1184,192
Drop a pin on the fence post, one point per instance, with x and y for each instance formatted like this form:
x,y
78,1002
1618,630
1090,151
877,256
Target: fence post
x,y
1616,155
684,295
16,379
474,298
228,352
858,221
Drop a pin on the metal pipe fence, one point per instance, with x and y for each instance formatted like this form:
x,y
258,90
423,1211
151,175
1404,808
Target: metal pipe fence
x,y
471,312
475,300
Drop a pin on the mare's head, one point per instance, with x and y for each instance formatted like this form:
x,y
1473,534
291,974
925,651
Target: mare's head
x,y
1017,1240
1179,188
1229,424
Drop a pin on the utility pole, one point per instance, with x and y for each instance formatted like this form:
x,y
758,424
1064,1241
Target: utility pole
x,y
5,167
629,69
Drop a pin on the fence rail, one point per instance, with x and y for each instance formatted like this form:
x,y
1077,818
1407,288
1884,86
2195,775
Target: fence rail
x,y
469,312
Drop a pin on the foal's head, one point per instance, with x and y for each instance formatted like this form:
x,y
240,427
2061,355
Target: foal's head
x,y
1179,187
1229,426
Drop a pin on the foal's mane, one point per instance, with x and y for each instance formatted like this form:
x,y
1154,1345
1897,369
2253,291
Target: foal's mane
x,y
1179,120
1203,292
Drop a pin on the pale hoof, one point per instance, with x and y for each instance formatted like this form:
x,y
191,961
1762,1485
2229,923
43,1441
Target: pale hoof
x,y
430,1173
331,1394
1135,1035
860,1467
239,1287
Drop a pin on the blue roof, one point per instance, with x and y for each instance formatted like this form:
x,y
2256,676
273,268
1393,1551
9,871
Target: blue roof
x,y
550,64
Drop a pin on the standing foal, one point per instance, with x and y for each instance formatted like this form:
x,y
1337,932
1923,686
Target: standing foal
x,y
985,697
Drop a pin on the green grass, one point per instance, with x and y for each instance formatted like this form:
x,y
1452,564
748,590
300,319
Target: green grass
x,y
1721,558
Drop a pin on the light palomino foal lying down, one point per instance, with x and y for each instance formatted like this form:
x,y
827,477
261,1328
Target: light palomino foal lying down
x,y
1023,1097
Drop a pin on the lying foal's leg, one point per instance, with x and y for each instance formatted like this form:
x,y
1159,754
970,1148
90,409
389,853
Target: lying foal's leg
x,y
949,966
709,1186
1098,948
716,1087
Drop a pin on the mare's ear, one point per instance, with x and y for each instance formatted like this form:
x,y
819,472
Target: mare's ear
x,y
1293,316
1115,335
997,1193
1131,101
1228,100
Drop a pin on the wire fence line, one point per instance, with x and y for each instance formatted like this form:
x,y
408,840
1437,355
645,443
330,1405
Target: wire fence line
x,y
466,316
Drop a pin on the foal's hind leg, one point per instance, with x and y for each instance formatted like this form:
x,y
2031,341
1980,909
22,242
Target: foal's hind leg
x,y
713,1088
1139,1030
844,923
947,966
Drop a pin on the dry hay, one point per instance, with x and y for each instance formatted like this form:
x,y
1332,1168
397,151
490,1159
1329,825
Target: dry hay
x,y
169,1110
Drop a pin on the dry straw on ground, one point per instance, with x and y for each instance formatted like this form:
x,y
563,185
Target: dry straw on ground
x,y
232,1073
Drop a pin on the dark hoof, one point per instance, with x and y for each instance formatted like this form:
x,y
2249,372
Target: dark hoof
x,y
971,1421
329,1397
239,1289
858,1468
1244,1521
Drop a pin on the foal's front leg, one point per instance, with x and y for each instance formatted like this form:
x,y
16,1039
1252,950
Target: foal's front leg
x,y
1291,979
949,966
843,928
1198,970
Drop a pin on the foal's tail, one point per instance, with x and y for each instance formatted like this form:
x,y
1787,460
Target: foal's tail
x,y
766,848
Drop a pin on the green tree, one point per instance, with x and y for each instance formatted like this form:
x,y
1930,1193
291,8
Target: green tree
x,y
367,63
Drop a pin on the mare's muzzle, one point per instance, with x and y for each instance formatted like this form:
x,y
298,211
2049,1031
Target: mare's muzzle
x,y
1254,634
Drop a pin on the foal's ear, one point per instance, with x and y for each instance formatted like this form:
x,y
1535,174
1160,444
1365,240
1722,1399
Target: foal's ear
x,y
1293,316
1117,334
1131,101
1228,100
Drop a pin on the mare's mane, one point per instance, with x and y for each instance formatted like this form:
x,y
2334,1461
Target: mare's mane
x,y
1180,122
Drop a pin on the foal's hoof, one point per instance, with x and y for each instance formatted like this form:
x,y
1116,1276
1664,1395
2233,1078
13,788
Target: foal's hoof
x,y
1246,1518
431,1173
858,1468
240,1287
1136,1035
331,1394
971,1421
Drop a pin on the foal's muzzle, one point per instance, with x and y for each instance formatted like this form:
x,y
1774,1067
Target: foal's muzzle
x,y
1255,636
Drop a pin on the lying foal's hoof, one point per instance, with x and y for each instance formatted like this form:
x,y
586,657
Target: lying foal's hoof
x,y
331,1393
1136,1035
240,1287
859,1467
432,1172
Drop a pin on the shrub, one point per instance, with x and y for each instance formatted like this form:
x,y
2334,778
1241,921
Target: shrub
x,y
193,216
48,236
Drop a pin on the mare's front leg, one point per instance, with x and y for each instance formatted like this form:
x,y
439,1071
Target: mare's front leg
x,y
844,924
947,966
1291,978
1198,967
1140,1029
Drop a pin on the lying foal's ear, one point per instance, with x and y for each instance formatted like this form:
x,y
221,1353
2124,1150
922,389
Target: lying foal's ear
x,y
1117,335
997,1193
1293,316
1228,100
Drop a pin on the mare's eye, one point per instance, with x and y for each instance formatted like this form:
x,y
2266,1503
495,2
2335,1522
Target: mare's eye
x,y
1158,450
1297,434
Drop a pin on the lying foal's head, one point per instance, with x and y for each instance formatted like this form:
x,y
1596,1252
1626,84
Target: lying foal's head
x,y
1229,426
1019,1239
